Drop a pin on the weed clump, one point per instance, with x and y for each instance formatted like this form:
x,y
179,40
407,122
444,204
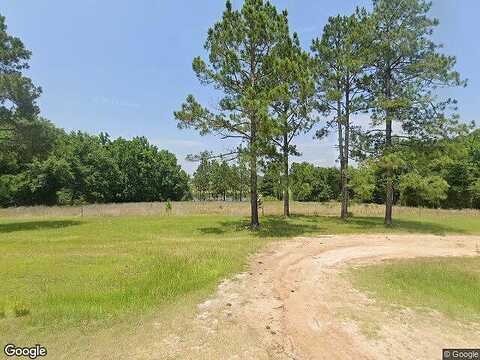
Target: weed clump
x,y
168,207
21,310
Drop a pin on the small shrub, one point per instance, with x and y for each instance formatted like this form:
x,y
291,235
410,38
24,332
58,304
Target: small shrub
x,y
270,198
21,310
168,207
64,197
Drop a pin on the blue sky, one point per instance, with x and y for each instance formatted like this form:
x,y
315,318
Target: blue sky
x,y
123,66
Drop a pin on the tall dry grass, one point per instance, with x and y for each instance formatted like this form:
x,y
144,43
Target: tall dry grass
x,y
221,208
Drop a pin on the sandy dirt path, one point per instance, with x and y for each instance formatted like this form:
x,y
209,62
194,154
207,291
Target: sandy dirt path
x,y
293,303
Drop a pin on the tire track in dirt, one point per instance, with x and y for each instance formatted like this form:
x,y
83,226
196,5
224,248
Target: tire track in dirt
x,y
294,304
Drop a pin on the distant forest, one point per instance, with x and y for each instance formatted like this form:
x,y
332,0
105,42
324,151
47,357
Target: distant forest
x,y
43,165
445,174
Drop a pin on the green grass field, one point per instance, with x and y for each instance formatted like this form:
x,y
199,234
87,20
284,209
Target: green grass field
x,y
88,273
448,285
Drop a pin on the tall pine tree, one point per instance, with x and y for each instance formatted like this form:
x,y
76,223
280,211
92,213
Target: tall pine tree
x,y
241,50
407,68
292,108
342,79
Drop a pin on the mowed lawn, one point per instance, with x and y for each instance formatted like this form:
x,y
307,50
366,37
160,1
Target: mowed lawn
x,y
59,273
448,285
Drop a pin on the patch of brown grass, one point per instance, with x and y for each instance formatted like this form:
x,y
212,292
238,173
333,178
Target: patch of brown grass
x,y
184,208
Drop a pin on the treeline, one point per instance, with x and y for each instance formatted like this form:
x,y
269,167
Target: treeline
x,y
41,164
445,174
441,175
217,179
307,183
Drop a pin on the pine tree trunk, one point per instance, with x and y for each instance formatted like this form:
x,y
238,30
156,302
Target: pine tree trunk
x,y
389,200
254,222
346,155
286,185
388,145
343,175
343,212
389,175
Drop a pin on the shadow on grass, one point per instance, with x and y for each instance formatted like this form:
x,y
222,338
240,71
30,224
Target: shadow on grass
x,y
271,226
36,225
300,225
213,230
402,226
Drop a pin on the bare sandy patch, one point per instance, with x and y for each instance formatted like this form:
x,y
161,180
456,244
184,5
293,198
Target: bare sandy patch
x,y
293,303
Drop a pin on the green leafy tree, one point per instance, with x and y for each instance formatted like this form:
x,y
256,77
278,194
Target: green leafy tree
x,y
311,183
459,177
241,50
17,92
220,172
8,190
202,177
215,177
42,180
231,181
416,190
147,174
363,182
460,167
272,184
33,139
342,62
95,173
475,191
240,178
451,159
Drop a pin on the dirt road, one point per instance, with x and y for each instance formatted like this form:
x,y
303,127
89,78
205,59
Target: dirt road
x,y
294,304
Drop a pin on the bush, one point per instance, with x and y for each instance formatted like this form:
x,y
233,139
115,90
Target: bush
x,y
21,310
168,207
475,192
416,190
312,183
64,197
